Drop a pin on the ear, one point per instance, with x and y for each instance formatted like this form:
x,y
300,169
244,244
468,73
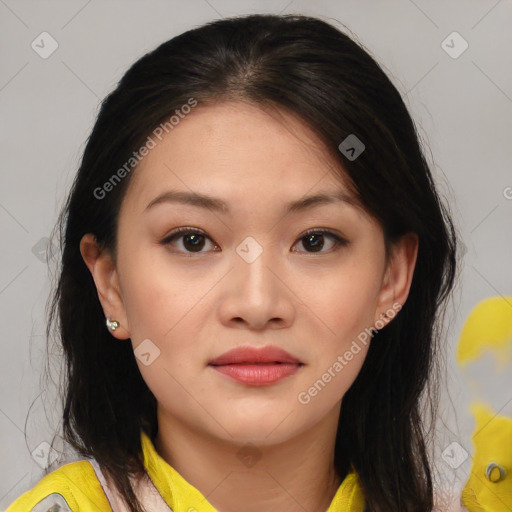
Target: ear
x,y
397,279
106,279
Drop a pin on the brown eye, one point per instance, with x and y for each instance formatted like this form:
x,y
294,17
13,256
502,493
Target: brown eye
x,y
193,239
315,240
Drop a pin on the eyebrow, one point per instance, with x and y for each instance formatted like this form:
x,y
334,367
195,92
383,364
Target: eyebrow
x,y
216,204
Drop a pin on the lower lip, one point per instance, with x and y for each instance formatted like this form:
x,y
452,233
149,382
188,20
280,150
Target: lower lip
x,y
257,374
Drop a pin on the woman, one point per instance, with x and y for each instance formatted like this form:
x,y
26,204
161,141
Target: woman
x,y
255,265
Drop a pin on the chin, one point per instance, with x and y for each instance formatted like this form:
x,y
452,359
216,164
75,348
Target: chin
x,y
259,436
265,429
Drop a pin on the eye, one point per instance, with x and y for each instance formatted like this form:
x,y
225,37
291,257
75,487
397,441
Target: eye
x,y
314,239
193,239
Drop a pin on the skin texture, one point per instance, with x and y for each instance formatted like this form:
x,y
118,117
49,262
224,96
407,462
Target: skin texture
x,y
196,306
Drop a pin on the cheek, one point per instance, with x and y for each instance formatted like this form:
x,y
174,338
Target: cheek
x,y
348,302
347,307
155,299
170,384
163,317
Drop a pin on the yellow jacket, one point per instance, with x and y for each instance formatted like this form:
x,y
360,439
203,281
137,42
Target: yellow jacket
x,y
75,487
77,483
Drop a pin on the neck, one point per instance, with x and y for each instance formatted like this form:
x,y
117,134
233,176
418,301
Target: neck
x,y
297,475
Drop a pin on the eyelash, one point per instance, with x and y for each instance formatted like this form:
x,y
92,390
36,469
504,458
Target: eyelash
x,y
339,241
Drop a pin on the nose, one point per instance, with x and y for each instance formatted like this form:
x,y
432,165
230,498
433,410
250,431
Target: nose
x,y
257,295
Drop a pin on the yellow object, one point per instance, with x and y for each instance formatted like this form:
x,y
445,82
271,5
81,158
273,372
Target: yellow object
x,y
489,487
78,485
488,327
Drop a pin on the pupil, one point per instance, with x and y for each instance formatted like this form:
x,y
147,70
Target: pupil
x,y
317,245
194,244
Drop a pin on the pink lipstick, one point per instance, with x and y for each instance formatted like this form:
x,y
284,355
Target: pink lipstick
x,y
256,367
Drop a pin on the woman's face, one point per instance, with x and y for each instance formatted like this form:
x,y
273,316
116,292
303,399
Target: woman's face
x,y
247,276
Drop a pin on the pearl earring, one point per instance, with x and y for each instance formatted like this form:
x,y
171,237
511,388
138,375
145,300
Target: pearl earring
x,y
112,324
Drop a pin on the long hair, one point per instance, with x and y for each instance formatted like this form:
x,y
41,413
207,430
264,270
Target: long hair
x,y
312,69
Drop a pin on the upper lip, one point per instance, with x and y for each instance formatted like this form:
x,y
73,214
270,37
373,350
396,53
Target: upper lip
x,y
267,354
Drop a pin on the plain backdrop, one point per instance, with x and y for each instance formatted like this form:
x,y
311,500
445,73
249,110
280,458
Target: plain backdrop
x,y
462,105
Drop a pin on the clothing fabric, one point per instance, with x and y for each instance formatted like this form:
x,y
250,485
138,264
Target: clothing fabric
x,y
81,487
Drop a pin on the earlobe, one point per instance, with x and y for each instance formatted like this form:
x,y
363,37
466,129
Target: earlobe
x,y
398,278
104,274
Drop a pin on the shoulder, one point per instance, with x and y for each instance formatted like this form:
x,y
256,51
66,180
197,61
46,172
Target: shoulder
x,y
73,487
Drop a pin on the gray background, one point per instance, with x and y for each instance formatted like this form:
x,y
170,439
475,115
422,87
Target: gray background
x,y
462,107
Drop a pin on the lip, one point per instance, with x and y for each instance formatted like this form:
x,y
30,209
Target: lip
x,y
256,367
252,355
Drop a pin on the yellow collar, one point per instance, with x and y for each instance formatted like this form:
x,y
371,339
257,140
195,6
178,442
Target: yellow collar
x,y
182,496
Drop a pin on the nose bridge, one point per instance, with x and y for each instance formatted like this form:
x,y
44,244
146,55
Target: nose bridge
x,y
255,293
252,262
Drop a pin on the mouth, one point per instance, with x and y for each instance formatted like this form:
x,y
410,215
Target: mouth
x,y
256,367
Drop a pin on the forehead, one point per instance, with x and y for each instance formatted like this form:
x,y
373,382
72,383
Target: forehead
x,y
233,149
